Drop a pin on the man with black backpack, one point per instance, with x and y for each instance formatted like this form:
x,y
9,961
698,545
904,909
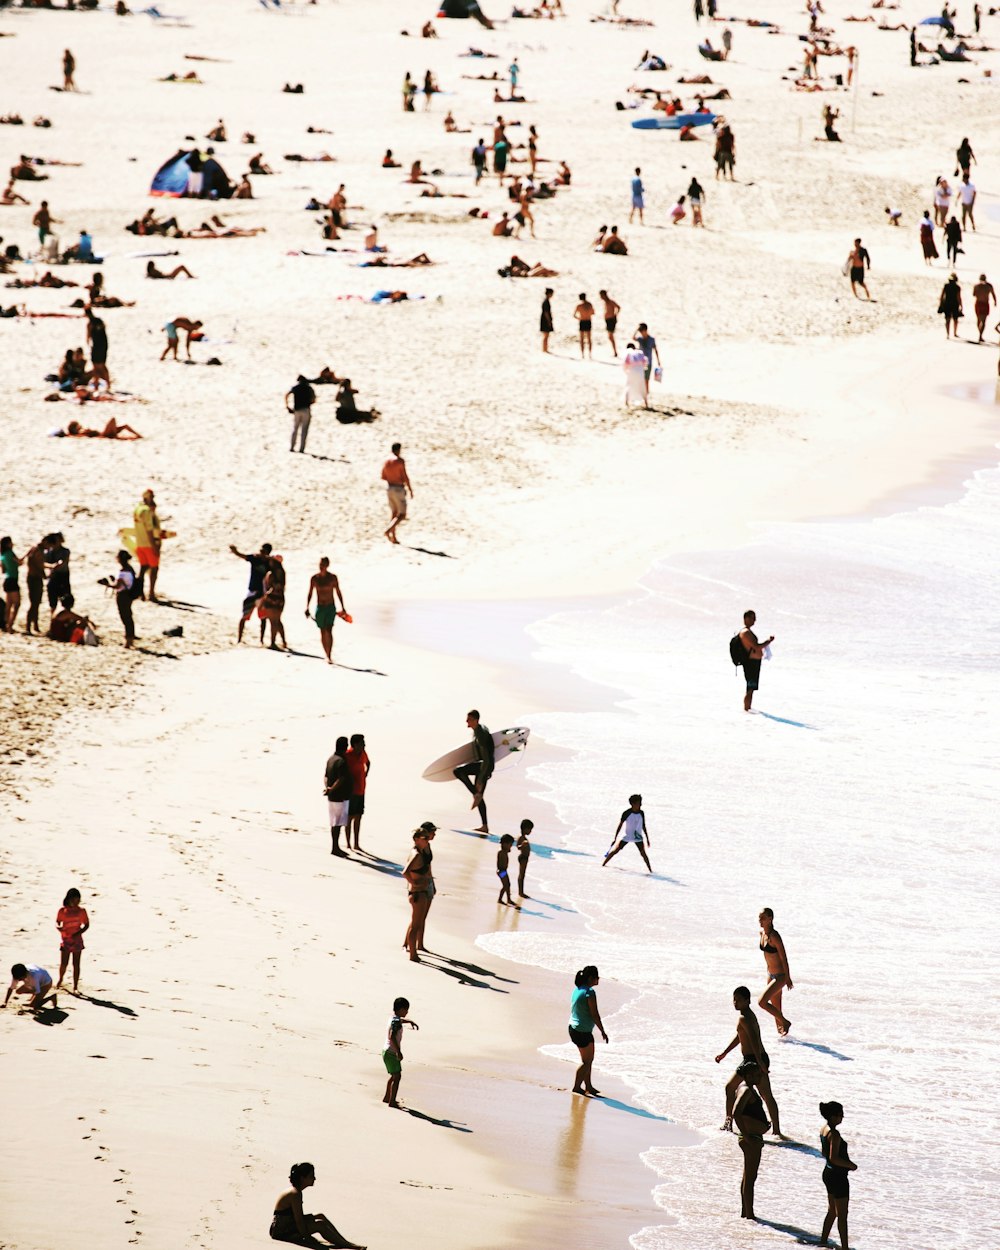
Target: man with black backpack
x,y
753,653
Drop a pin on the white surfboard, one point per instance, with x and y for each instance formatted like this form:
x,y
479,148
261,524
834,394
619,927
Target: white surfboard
x,y
505,742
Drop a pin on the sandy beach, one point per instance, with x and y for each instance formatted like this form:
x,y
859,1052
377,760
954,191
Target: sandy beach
x,y
237,979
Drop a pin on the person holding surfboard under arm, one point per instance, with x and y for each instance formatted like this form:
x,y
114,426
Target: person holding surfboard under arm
x,y
481,768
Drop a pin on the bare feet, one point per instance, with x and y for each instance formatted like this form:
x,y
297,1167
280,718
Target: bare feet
x,y
482,828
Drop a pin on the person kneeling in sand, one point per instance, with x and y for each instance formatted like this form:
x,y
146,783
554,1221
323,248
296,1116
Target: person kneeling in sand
x,y
291,1224
31,980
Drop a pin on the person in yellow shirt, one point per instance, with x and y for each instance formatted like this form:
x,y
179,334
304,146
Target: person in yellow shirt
x,y
147,543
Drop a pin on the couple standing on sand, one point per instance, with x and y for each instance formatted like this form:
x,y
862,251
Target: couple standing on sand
x,y
345,780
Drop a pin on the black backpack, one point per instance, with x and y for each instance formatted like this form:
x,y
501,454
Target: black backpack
x,y
737,651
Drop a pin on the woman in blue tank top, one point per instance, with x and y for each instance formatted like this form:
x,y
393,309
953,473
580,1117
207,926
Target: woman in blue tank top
x,y
583,1019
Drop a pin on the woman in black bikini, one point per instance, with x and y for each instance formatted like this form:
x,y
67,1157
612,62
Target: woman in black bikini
x,y
752,1123
835,1173
777,970
420,887
290,1224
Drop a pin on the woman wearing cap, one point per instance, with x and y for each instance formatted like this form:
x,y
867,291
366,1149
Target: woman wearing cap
x,y
420,887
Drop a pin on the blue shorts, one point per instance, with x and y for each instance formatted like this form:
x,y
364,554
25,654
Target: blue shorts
x,y
638,202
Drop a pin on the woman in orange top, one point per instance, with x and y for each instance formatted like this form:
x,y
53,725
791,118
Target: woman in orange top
x,y
72,922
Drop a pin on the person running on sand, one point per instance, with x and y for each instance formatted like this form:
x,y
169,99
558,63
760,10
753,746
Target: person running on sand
x,y
857,260
753,1070
638,197
69,68
481,767
611,311
34,981
420,888
10,566
836,1169
584,1017
72,922
545,321
153,272
360,766
173,329
751,1124
503,864
337,783
584,313
392,1053
950,305
327,588
634,820
290,1223
259,564
397,482
523,854
982,293
779,977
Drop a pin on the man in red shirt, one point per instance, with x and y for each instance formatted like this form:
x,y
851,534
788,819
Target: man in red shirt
x,y
360,766
395,476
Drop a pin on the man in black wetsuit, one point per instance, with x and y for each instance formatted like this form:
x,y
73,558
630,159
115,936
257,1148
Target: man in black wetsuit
x,y
481,768
754,654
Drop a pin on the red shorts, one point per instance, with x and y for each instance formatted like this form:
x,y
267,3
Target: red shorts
x,y
148,557
73,943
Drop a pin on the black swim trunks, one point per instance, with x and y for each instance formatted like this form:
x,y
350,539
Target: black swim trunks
x,y
585,327
579,1038
837,1182
858,274
751,671
357,805
611,324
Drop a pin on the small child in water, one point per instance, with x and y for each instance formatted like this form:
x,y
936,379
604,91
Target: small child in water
x,y
392,1054
503,859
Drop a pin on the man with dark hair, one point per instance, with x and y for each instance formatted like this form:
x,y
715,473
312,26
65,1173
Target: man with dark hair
x,y
397,482
755,1064
481,767
259,565
754,654
338,787
302,398
32,980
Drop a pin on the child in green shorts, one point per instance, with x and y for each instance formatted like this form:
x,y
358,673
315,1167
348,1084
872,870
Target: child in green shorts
x,y
392,1054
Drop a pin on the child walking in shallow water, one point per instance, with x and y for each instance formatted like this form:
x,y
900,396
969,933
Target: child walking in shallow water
x,y
503,860
72,922
392,1054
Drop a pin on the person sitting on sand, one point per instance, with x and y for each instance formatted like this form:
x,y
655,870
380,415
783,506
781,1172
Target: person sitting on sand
x,y
502,228
371,240
82,250
326,377
67,625
97,298
72,370
614,244
218,132
10,196
452,127
427,31
388,161
153,272
257,165
564,176
112,430
348,413
417,176
291,1224
244,191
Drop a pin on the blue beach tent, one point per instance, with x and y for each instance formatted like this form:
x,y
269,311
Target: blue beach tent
x,y
172,176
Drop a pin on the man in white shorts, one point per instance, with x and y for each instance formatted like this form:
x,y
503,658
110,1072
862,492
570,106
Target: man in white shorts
x,y
339,787
634,820
397,484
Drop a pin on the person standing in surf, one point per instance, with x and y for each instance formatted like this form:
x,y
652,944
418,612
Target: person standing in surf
x,y
753,1070
751,1124
523,854
754,654
779,978
634,820
835,1173
481,767
583,1019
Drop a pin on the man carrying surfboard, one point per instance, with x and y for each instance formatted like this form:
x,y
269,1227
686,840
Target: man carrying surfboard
x,y
148,539
481,768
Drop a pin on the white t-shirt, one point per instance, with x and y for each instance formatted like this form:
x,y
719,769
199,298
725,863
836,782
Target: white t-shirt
x,y
942,195
967,191
634,822
36,979
124,582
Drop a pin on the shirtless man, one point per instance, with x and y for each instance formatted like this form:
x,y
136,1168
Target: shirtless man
x,y
755,653
584,313
10,196
326,585
611,311
982,293
754,1067
857,260
397,483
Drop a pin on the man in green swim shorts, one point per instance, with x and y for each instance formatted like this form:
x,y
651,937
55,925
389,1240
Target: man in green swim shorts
x,y
327,588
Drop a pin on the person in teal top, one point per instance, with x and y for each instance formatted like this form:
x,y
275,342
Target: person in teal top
x,y
10,564
584,1017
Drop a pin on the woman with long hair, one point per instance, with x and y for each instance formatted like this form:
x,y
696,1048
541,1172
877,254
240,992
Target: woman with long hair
x,y
584,1017
779,978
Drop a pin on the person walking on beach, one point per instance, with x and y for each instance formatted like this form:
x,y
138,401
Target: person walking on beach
x,y
966,196
72,922
123,583
836,1172
148,541
634,820
397,484
392,1053
360,766
725,153
43,222
545,321
481,767
942,200
611,311
337,787
634,364
927,244
857,259
259,565
751,1124
584,313
479,160
964,156
420,888
638,197
950,305
299,401
584,1017
982,293
523,854
69,69
503,865
779,978
754,652
290,1223
696,198
33,981
953,240
326,586
647,345
97,337
755,1065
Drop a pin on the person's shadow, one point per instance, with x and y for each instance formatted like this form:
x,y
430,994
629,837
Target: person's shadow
x,y
458,1126
106,1002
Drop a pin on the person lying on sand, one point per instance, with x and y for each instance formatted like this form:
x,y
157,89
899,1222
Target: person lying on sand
x,y
382,262
24,171
148,223
326,377
47,279
153,272
494,77
519,268
508,99
231,232
74,429
10,196
190,76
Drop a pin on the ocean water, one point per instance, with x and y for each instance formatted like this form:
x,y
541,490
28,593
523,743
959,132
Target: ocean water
x,y
860,801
